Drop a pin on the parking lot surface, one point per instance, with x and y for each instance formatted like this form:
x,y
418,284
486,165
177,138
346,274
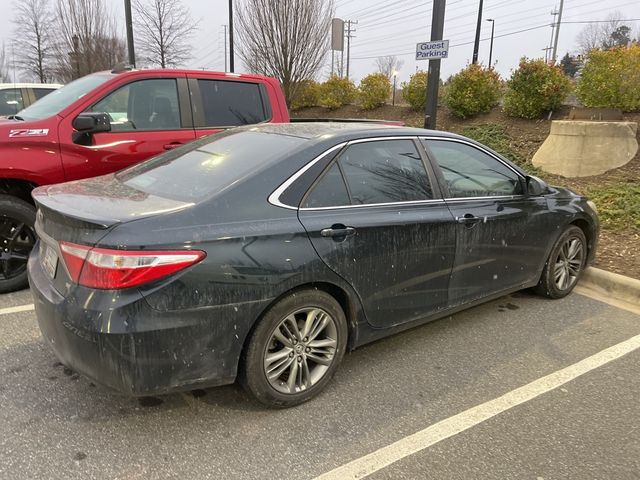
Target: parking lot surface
x,y
56,424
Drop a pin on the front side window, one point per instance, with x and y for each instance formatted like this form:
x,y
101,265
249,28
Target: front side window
x,y
11,101
150,104
469,172
231,103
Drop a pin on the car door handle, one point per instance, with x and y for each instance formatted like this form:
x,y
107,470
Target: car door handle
x,y
172,145
338,231
468,219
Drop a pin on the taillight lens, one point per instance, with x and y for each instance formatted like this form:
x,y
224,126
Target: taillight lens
x,y
114,269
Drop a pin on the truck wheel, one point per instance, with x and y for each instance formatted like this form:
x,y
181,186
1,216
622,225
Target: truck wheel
x,y
17,238
565,264
295,349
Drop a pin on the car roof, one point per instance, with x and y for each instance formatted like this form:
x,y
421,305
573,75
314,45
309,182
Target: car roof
x,y
52,86
338,130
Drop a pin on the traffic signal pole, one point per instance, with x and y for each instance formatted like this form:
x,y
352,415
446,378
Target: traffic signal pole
x,y
433,80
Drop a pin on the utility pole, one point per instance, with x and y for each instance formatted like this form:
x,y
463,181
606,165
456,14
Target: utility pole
x,y
433,81
225,47
349,37
555,42
231,66
476,44
129,22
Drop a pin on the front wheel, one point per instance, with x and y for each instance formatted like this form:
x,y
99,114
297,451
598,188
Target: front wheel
x,y
295,349
17,238
565,264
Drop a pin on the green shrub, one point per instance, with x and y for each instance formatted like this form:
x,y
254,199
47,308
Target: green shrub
x,y
307,95
414,91
336,92
374,90
534,88
611,79
473,90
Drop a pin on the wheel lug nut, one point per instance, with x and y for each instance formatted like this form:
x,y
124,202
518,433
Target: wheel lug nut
x,y
300,358
291,355
295,342
305,339
308,349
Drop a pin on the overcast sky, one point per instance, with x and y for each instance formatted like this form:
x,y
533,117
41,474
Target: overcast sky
x,y
394,28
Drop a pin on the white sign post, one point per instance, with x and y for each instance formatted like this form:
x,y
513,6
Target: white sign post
x,y
432,50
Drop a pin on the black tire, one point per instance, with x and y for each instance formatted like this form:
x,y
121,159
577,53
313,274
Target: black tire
x,y
13,213
262,343
552,287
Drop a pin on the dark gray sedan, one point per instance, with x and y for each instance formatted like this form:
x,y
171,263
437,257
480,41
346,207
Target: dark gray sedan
x,y
264,253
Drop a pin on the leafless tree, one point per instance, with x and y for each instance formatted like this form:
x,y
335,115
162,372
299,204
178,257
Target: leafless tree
x,y
4,67
389,64
284,39
163,30
87,39
608,34
33,37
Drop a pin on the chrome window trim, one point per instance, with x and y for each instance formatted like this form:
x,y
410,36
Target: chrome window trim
x,y
477,147
486,197
386,204
274,198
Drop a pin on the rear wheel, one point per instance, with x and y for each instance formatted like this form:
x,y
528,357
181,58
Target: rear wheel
x,y
295,349
17,238
565,264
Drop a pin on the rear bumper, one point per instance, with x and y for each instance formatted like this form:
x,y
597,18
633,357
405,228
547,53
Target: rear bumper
x,y
116,339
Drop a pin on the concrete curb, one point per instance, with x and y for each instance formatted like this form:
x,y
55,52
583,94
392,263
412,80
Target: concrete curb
x,y
612,285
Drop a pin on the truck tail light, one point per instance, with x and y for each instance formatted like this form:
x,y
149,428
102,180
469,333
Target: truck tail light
x,y
109,269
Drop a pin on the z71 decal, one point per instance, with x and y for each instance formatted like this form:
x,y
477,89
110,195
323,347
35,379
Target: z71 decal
x,y
29,132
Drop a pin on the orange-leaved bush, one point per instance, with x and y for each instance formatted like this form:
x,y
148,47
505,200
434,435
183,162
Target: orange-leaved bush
x,y
336,92
535,87
374,90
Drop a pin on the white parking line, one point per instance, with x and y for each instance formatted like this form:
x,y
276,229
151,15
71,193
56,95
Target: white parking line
x,y
385,456
19,308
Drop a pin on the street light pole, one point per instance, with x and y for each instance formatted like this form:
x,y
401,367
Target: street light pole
x,y
129,26
493,24
393,94
231,56
476,43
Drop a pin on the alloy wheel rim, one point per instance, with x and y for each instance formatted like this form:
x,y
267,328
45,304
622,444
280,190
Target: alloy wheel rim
x,y
16,241
300,350
568,263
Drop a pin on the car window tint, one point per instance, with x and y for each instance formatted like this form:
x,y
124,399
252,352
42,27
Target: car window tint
x,y
330,191
385,171
11,101
231,103
469,172
41,92
143,105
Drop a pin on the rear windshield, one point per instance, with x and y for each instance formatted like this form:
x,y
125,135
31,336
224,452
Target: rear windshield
x,y
60,99
208,166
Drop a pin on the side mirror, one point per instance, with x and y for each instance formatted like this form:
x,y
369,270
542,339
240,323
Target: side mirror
x,y
536,186
92,122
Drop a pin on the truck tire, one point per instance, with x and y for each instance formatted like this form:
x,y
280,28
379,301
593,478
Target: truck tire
x,y
17,238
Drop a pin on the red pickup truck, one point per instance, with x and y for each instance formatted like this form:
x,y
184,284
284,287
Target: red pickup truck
x,y
107,121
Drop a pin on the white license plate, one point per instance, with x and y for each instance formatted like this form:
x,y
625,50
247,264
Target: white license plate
x,y
49,259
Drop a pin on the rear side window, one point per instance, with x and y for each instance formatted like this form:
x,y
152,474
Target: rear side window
x,y
150,104
330,191
41,92
381,171
231,103
11,101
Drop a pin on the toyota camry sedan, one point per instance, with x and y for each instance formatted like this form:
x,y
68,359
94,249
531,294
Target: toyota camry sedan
x,y
264,253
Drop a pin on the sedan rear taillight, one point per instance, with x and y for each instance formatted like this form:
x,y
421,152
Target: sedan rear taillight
x,y
114,269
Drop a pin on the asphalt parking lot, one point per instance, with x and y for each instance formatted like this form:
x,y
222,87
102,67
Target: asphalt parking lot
x,y
55,424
